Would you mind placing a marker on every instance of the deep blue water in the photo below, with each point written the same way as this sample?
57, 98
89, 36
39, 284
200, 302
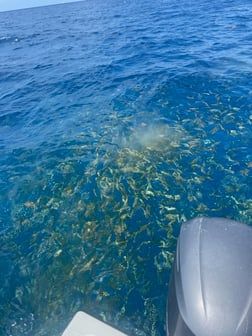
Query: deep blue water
119, 120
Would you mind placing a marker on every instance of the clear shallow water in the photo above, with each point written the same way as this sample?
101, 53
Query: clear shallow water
118, 122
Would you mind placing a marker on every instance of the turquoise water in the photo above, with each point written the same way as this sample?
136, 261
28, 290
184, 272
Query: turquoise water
118, 122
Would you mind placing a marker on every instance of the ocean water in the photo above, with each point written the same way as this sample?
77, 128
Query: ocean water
119, 120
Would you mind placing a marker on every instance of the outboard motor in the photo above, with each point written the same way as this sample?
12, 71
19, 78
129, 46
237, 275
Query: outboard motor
210, 291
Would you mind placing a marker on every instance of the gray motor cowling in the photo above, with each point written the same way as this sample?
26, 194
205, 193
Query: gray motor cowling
210, 290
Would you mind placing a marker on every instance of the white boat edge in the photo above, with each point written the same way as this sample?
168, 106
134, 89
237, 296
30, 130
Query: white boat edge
83, 324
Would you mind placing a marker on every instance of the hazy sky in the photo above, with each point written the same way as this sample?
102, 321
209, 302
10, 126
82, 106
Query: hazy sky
17, 4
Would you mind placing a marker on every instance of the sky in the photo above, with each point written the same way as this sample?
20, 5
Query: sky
6, 5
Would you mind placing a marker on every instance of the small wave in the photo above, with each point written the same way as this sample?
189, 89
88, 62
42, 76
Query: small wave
9, 39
